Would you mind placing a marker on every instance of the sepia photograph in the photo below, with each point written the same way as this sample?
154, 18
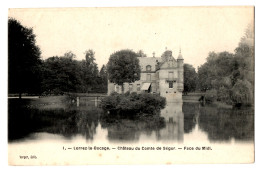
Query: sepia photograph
131, 85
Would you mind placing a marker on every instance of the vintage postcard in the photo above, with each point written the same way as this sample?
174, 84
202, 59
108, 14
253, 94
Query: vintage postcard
131, 85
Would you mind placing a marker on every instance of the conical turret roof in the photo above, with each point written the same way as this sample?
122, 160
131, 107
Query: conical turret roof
180, 56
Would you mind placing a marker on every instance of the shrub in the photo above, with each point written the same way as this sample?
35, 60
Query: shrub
110, 102
242, 92
211, 95
133, 103
223, 95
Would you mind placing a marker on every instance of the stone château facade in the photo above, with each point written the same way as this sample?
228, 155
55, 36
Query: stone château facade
162, 75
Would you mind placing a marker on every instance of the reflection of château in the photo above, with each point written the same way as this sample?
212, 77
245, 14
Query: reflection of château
174, 119
162, 75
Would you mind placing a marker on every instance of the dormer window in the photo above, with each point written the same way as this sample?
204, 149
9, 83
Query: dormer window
148, 68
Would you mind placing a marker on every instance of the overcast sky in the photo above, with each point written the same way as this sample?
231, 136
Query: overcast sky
196, 30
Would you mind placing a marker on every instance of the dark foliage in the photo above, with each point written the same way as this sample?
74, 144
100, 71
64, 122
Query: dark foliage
133, 103
23, 59
229, 77
65, 74
190, 78
123, 66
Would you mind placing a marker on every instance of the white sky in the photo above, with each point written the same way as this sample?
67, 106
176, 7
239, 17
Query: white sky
197, 30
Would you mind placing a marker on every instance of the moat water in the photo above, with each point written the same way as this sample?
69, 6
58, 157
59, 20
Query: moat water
184, 132
181, 122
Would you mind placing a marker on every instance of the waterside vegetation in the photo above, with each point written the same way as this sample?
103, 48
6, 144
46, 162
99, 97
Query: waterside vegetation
133, 103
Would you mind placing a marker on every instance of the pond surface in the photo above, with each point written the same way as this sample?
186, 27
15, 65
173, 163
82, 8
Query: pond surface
184, 122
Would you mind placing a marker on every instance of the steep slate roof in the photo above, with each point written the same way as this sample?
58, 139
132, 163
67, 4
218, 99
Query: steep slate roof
170, 64
157, 62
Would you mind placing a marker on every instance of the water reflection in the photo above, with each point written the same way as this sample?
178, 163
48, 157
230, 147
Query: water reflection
131, 127
224, 124
190, 111
220, 124
69, 122
170, 125
174, 119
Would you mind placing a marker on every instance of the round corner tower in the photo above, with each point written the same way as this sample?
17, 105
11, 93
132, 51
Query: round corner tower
180, 72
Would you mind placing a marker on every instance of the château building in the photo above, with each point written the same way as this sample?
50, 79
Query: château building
162, 75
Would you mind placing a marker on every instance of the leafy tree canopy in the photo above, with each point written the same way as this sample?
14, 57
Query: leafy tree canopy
231, 75
123, 66
23, 59
190, 78
65, 74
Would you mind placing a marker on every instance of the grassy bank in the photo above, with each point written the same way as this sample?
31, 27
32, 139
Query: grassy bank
53, 102
222, 105
194, 97
42, 102
191, 98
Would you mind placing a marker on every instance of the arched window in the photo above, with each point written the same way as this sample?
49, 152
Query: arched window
148, 68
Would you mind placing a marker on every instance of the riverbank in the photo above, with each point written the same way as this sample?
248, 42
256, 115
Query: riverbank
191, 97
222, 105
194, 98
41, 102
53, 102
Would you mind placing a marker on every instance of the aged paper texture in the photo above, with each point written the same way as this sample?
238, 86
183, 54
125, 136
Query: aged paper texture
45, 129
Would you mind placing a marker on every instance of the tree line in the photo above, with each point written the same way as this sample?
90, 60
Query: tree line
226, 77
28, 73
56, 75
65, 74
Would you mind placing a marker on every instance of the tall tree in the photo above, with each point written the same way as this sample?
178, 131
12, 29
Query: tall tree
103, 75
123, 66
90, 69
216, 70
190, 78
231, 75
102, 81
61, 74
245, 71
245, 53
65, 74
23, 59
